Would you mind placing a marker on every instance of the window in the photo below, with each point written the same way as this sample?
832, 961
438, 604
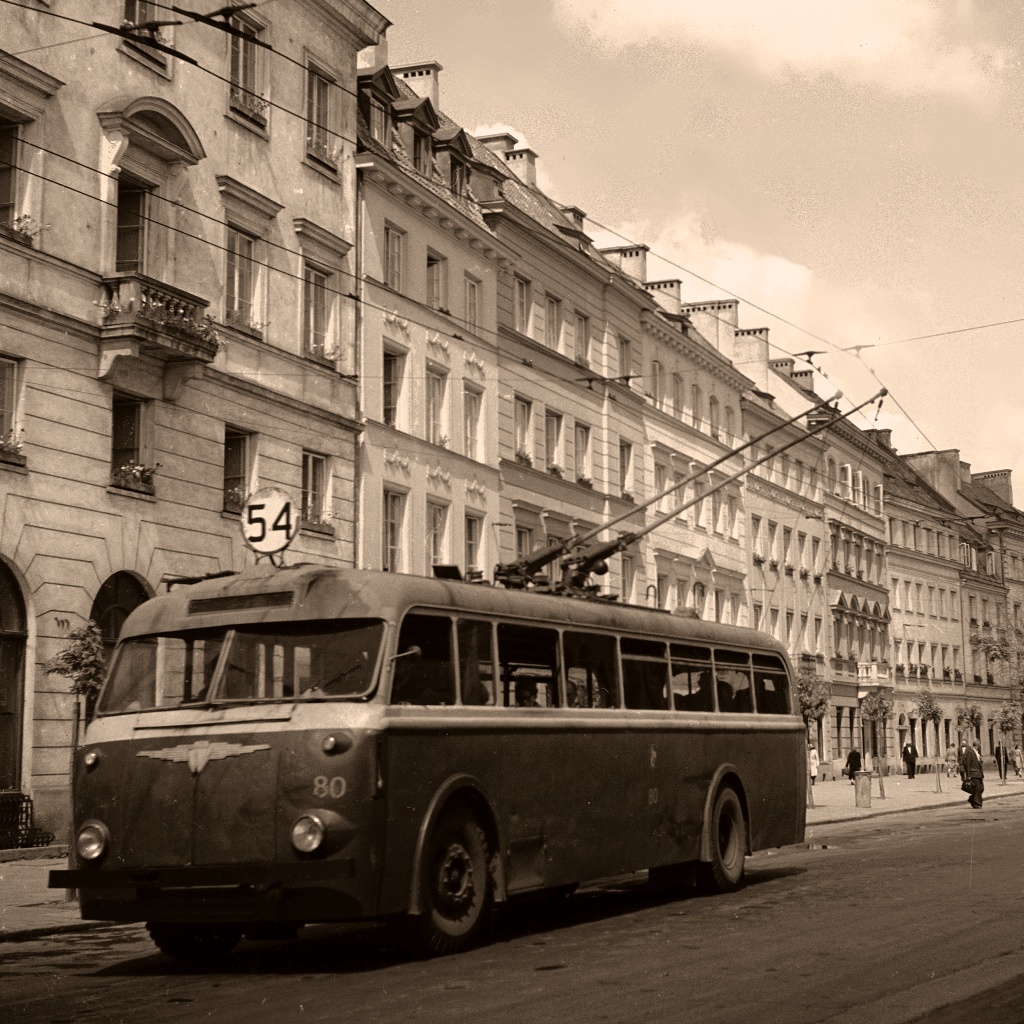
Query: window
582, 437
787, 541
771, 685
245, 72
138, 12
730, 429
628, 578
756, 539
14, 630
8, 161
318, 117
472, 311
132, 205
877, 501
236, 469
437, 389
859, 488
315, 320
437, 281
732, 681
240, 278
625, 466
528, 666
524, 445
645, 679
699, 488
428, 679
692, 688
660, 483
476, 664
474, 532
552, 323
699, 599
392, 555
815, 549
394, 243
677, 396
713, 416
582, 339
8, 399
845, 482
524, 541
590, 660
831, 476
696, 410
657, 385
423, 153
758, 613
625, 359
552, 439
437, 533
126, 469
471, 399
315, 510
458, 176
380, 122
817, 634
394, 364
523, 305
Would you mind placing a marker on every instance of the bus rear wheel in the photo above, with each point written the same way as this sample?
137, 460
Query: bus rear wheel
195, 944
456, 885
727, 831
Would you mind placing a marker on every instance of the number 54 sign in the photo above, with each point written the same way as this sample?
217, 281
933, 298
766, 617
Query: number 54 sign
269, 521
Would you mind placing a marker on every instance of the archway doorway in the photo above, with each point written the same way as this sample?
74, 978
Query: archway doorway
13, 636
119, 596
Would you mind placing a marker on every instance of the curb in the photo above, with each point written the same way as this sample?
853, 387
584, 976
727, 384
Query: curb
58, 851
27, 934
903, 810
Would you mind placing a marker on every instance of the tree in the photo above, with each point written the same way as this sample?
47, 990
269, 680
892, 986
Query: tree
1007, 718
968, 719
814, 695
84, 662
928, 710
877, 708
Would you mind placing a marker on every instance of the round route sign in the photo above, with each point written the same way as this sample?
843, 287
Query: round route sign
270, 521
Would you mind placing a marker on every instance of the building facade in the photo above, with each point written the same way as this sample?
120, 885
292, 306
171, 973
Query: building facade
176, 248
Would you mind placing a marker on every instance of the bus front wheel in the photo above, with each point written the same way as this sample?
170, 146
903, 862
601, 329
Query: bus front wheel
199, 945
456, 884
727, 833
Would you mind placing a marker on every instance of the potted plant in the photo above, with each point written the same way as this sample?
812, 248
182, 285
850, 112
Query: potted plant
12, 450
133, 476
585, 481
555, 470
523, 457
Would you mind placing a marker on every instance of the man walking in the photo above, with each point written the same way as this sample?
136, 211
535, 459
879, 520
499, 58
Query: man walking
853, 765
909, 755
974, 775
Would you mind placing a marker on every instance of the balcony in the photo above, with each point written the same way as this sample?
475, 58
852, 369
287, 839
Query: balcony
872, 672
142, 316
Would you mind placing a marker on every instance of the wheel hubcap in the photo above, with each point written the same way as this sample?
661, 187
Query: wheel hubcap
455, 879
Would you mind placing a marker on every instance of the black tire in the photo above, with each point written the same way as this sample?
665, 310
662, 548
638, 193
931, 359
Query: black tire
457, 890
728, 835
198, 945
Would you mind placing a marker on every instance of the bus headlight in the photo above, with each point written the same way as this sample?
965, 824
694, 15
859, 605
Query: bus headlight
308, 833
92, 841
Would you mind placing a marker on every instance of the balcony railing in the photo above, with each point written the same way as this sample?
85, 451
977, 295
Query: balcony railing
165, 321
249, 105
872, 672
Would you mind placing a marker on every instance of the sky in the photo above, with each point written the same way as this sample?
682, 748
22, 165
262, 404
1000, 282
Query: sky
854, 168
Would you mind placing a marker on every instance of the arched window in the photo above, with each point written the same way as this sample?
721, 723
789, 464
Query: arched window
713, 417
13, 633
117, 599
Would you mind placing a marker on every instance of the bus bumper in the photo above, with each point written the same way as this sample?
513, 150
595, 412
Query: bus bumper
295, 893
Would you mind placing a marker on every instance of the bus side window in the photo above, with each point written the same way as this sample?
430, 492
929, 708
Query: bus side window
476, 667
428, 678
732, 681
590, 670
691, 678
528, 663
771, 685
644, 674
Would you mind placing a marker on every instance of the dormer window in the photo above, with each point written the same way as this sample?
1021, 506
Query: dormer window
459, 177
422, 153
380, 122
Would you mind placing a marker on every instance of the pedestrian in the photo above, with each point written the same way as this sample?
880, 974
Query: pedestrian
812, 761
951, 760
974, 776
1000, 763
853, 764
961, 757
1018, 759
909, 755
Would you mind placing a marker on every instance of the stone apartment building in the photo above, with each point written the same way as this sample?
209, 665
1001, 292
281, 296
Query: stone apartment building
176, 248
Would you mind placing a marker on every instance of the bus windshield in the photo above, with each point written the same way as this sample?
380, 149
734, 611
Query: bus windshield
264, 662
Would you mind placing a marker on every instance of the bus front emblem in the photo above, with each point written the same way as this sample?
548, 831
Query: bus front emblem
202, 752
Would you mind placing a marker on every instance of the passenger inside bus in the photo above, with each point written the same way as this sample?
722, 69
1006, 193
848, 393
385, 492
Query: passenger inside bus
424, 671
526, 694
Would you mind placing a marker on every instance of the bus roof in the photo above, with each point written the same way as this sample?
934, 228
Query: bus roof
305, 592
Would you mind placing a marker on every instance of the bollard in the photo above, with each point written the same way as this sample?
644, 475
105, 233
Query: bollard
862, 790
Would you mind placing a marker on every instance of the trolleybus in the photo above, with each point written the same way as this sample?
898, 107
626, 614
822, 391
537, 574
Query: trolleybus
310, 744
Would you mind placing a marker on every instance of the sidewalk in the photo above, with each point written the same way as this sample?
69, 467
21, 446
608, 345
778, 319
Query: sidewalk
28, 909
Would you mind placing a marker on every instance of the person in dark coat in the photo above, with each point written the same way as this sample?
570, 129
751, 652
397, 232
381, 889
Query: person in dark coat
909, 755
853, 764
961, 757
974, 775
1000, 755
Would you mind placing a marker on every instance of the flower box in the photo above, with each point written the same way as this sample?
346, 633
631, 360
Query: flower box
585, 481
524, 458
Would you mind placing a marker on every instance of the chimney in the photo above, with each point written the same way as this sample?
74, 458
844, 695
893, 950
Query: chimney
668, 294
803, 379
523, 164
784, 367
883, 438
423, 79
498, 144
373, 56
997, 480
576, 215
631, 259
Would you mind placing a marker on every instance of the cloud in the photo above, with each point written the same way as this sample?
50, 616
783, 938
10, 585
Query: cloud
908, 46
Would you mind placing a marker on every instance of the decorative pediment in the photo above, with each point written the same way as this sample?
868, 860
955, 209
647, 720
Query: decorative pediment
419, 110
454, 138
156, 126
380, 81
